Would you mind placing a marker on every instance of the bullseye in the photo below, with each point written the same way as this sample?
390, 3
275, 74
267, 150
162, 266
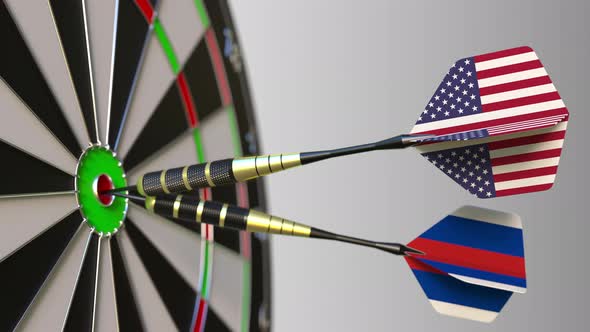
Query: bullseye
101, 184
98, 171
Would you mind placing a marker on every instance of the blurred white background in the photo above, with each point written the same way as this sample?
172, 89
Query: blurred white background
326, 74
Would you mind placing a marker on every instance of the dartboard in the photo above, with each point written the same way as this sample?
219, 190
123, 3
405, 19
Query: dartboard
93, 94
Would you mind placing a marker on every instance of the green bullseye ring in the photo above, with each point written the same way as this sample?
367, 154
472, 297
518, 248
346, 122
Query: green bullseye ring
94, 162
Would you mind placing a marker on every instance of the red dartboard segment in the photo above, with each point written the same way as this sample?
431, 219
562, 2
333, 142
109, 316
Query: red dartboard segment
146, 9
201, 315
215, 54
187, 99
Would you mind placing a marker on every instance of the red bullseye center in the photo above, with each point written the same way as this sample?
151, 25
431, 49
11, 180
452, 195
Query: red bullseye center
101, 184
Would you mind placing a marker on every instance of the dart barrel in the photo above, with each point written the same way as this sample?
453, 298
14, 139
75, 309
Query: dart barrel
213, 174
191, 209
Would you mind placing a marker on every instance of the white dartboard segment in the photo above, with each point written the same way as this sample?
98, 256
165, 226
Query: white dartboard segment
36, 24
50, 307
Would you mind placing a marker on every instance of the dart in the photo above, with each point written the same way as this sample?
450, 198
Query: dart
233, 170
191, 209
468, 264
495, 125
473, 263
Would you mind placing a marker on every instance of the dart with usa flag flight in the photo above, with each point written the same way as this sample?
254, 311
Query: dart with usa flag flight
499, 124
468, 264
495, 125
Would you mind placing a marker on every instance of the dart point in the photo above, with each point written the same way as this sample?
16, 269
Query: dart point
100, 186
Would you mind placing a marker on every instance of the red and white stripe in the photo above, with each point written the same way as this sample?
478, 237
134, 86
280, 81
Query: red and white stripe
521, 162
527, 163
516, 95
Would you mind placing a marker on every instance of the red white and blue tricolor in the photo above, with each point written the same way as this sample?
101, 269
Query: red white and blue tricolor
499, 124
473, 262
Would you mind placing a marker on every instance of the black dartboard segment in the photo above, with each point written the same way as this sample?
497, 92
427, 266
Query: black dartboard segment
178, 296
166, 123
81, 313
20, 71
214, 323
29, 175
22, 274
71, 25
127, 311
131, 39
200, 77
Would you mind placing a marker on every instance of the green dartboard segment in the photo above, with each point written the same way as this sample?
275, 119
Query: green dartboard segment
95, 162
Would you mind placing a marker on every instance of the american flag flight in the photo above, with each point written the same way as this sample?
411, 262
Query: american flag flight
499, 124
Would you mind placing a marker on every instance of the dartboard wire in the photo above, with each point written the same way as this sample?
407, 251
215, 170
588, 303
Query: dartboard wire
73, 85
90, 233
91, 75
97, 268
150, 14
55, 193
111, 76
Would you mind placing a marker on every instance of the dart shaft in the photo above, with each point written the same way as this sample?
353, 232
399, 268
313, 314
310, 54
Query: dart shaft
230, 171
191, 209
213, 174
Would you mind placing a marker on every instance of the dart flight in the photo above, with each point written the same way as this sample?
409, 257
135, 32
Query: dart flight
473, 262
495, 125
499, 124
468, 264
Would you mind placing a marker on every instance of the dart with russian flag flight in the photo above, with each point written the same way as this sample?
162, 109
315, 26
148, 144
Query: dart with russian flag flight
495, 125
468, 264
473, 263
